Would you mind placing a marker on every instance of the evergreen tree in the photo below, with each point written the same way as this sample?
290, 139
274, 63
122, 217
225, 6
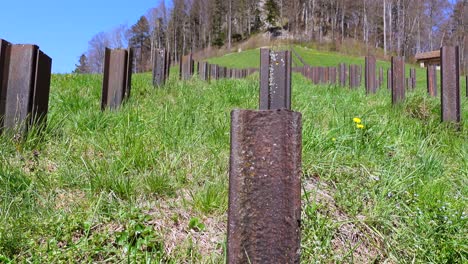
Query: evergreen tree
140, 41
82, 66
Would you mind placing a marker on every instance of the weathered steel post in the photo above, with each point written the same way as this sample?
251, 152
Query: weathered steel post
275, 79
370, 75
264, 187
25, 73
117, 78
160, 67
450, 80
186, 67
431, 79
398, 79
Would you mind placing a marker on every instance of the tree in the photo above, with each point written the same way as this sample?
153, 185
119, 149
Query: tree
82, 66
272, 12
140, 41
96, 52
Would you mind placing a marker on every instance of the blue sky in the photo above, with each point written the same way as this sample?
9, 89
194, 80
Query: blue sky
62, 28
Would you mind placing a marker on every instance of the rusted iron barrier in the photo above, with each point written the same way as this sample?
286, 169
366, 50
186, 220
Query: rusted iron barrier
214, 72
381, 78
398, 79
342, 73
25, 73
413, 78
450, 84
332, 75
389, 79
370, 81
186, 67
431, 78
203, 71
275, 79
222, 72
160, 67
354, 76
264, 187
117, 79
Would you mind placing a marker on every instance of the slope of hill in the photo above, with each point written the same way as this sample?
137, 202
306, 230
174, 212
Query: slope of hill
148, 182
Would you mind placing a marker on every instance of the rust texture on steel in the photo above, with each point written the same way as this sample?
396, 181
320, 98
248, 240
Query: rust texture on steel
353, 76
186, 67
117, 77
389, 79
214, 72
332, 74
264, 187
203, 71
342, 74
369, 78
25, 73
381, 78
275, 79
431, 78
4, 63
413, 78
450, 84
398, 79
160, 67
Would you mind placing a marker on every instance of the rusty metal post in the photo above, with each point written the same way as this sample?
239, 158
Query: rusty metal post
413, 78
264, 187
389, 79
398, 79
431, 79
380, 77
275, 79
25, 73
214, 72
203, 71
332, 73
450, 84
117, 77
4, 64
326, 75
186, 67
342, 73
159, 67
370, 75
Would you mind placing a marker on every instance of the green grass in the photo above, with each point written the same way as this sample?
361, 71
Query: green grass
148, 182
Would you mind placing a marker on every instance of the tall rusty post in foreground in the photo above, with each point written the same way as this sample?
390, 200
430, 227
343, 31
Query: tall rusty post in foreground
160, 67
275, 79
398, 79
450, 84
370, 81
264, 187
117, 79
431, 79
25, 73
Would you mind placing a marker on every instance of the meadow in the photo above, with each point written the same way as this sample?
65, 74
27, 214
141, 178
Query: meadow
148, 183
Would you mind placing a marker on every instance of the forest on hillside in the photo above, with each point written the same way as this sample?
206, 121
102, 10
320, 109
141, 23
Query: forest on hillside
398, 27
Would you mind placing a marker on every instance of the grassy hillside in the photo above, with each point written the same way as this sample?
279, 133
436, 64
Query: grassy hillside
148, 183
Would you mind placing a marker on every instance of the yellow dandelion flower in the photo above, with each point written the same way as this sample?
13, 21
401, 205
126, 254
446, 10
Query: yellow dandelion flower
333, 139
360, 126
357, 120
